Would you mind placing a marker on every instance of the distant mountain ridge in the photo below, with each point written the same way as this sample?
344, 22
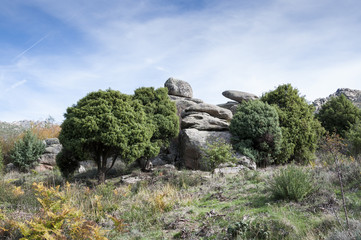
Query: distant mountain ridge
352, 94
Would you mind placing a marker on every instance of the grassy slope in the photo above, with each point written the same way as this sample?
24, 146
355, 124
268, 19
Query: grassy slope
192, 205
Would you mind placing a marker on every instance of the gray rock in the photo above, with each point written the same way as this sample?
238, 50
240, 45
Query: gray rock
212, 110
351, 94
230, 106
204, 122
55, 148
51, 141
43, 168
81, 169
239, 96
191, 143
246, 161
178, 88
177, 98
48, 159
158, 161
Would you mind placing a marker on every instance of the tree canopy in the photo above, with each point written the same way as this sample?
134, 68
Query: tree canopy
300, 130
256, 131
338, 115
109, 125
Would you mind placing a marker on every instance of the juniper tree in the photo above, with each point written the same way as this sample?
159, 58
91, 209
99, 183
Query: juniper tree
300, 129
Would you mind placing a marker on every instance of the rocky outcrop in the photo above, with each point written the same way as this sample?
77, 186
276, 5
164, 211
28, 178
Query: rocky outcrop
48, 160
179, 88
239, 96
212, 110
203, 121
353, 95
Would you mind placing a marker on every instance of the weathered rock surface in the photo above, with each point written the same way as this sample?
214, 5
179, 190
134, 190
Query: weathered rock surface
48, 160
353, 95
230, 106
203, 121
179, 88
212, 110
191, 143
239, 96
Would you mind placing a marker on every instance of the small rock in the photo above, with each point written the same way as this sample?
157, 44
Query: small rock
43, 168
51, 141
81, 169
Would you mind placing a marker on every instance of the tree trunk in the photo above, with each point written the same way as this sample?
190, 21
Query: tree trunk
102, 168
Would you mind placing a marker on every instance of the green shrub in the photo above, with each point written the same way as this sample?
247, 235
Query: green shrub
217, 152
292, 183
256, 131
300, 130
67, 162
26, 151
338, 115
353, 138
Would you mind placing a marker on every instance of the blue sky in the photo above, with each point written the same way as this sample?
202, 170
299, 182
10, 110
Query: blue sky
52, 53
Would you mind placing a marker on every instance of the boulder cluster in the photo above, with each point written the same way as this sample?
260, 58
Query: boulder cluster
201, 123
351, 94
48, 160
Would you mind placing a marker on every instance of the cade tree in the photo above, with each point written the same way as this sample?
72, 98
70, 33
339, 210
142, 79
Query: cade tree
162, 113
256, 132
338, 115
105, 126
300, 129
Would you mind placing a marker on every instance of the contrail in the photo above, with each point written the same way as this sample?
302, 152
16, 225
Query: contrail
32, 46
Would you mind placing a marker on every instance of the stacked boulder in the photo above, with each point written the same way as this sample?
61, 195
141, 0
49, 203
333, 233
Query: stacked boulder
200, 122
47, 161
238, 97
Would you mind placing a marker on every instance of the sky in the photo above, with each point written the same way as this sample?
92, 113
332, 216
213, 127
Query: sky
52, 53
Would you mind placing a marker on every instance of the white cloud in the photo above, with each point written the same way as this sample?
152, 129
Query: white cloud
313, 46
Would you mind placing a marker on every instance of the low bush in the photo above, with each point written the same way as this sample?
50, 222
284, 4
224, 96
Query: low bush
26, 151
217, 152
292, 183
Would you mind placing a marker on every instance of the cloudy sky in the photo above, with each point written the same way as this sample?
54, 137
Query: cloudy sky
52, 53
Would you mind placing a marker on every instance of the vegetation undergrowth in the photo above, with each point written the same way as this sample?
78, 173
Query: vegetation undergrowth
171, 204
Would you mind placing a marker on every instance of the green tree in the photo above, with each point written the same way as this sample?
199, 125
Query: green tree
300, 130
338, 115
256, 131
107, 125
26, 151
162, 114
353, 137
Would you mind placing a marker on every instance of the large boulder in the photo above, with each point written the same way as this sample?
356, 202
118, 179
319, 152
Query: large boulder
239, 96
203, 121
179, 88
213, 110
191, 143
48, 159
